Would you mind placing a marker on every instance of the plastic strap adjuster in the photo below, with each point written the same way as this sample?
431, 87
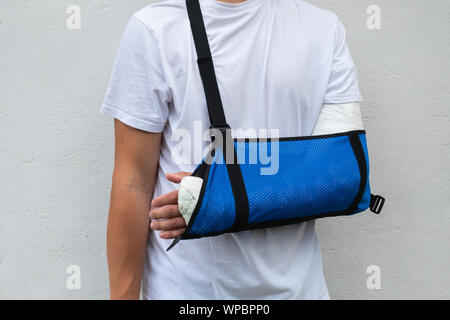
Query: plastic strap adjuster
223, 129
376, 203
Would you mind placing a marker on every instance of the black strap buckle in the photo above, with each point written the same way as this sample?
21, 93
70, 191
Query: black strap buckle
376, 203
223, 129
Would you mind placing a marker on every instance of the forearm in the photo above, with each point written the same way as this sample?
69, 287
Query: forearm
127, 237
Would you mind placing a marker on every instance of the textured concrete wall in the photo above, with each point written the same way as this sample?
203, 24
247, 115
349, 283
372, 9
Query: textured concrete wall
56, 150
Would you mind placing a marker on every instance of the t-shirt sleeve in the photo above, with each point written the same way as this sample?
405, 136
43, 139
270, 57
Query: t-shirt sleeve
137, 92
343, 83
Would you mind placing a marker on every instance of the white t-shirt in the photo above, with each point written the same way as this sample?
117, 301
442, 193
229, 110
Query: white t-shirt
277, 62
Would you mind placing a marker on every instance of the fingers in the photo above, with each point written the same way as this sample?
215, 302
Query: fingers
173, 224
176, 177
166, 199
168, 224
171, 234
165, 212
167, 218
171, 197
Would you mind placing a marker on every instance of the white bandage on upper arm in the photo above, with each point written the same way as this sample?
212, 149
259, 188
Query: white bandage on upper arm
341, 117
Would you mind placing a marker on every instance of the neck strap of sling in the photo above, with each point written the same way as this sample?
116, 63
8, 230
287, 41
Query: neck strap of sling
215, 110
206, 66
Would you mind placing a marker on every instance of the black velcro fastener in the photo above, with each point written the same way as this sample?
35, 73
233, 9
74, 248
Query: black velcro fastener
213, 100
362, 165
205, 64
236, 181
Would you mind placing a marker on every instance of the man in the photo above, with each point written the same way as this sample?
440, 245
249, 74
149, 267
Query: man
277, 62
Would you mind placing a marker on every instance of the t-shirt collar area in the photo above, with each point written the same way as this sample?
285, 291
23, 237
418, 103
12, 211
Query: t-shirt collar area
232, 6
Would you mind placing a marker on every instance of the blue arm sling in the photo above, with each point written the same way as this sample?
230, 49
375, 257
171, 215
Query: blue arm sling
317, 176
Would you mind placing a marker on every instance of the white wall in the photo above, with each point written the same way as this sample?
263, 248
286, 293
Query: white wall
56, 150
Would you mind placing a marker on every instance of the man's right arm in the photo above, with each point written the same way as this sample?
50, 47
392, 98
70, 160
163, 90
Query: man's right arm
135, 168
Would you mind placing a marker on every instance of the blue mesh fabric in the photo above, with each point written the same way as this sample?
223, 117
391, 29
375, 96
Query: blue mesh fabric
314, 177
217, 211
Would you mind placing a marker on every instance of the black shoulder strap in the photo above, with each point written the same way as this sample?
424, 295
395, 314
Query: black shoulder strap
215, 109
206, 66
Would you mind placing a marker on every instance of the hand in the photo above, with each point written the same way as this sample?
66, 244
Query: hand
167, 218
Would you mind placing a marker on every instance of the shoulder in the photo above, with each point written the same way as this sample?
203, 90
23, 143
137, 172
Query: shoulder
162, 15
316, 14
322, 26
313, 19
